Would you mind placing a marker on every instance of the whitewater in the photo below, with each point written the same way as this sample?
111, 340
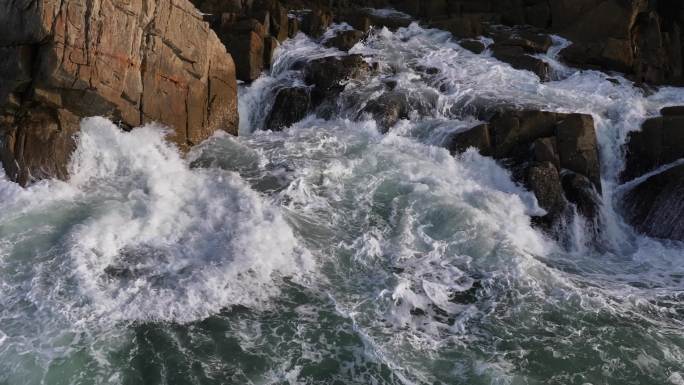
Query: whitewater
330, 253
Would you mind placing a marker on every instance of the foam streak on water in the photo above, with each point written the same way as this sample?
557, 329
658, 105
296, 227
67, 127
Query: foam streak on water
329, 253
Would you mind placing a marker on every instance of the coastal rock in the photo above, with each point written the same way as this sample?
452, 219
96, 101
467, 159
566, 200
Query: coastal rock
555, 155
578, 147
660, 141
130, 61
244, 40
290, 106
328, 74
478, 137
544, 181
387, 110
655, 207
345, 40
518, 59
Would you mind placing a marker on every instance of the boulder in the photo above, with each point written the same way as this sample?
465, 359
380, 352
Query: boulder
388, 109
316, 21
474, 46
518, 59
543, 179
554, 155
478, 137
244, 40
660, 141
290, 106
345, 40
655, 207
578, 147
133, 62
582, 192
328, 74
546, 150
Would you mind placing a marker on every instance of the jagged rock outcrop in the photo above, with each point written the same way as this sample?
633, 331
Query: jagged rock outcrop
133, 61
554, 154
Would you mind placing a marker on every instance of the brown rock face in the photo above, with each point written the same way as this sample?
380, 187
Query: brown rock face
133, 61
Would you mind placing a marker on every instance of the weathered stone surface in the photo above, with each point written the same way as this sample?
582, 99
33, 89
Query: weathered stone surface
539, 146
474, 46
642, 38
655, 207
582, 192
290, 106
518, 59
546, 150
660, 141
316, 21
544, 181
345, 40
388, 109
270, 44
39, 144
130, 60
245, 42
327, 74
578, 147
478, 137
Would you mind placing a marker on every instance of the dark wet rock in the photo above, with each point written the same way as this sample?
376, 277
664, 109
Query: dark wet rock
518, 59
655, 207
578, 146
293, 26
388, 109
474, 46
345, 40
328, 74
245, 42
546, 150
515, 131
530, 40
478, 137
291, 105
316, 21
582, 192
538, 147
660, 142
543, 179
672, 111
465, 26
270, 44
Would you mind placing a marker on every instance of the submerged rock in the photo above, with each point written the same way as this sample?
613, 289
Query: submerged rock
655, 206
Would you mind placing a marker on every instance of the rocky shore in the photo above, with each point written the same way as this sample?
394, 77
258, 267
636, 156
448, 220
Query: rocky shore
178, 62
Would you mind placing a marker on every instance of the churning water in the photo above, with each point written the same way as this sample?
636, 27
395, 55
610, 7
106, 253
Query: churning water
332, 254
